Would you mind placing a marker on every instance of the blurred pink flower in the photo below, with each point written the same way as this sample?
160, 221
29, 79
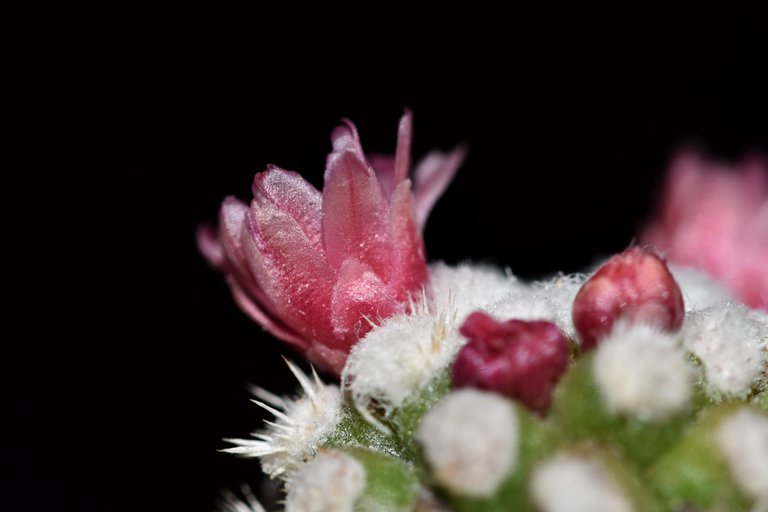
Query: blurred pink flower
715, 218
315, 269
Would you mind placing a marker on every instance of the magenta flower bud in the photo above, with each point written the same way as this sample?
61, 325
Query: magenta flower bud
517, 358
635, 285
317, 268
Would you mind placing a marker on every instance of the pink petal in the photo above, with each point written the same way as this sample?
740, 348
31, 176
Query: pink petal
325, 358
209, 245
355, 213
684, 182
231, 224
391, 170
750, 270
409, 263
293, 275
751, 284
292, 194
345, 138
358, 294
269, 322
225, 251
232, 228
403, 151
384, 167
432, 176
753, 179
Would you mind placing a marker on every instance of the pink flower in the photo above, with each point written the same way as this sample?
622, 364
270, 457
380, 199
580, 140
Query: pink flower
519, 359
715, 218
635, 285
315, 269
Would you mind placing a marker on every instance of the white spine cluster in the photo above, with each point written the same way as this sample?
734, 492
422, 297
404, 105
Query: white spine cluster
470, 439
468, 287
641, 372
300, 426
249, 503
743, 439
398, 358
332, 481
568, 483
731, 341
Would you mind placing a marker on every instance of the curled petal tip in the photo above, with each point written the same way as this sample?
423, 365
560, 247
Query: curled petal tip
345, 138
209, 246
291, 193
403, 151
432, 176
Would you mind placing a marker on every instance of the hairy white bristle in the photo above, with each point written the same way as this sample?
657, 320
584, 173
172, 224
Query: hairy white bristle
743, 439
731, 341
399, 358
232, 503
550, 300
467, 287
569, 483
300, 426
699, 290
332, 481
641, 372
470, 439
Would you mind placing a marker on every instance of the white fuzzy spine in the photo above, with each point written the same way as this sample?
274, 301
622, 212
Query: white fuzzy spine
300, 427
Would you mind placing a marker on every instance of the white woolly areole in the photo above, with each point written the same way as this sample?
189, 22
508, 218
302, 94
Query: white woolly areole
331, 482
550, 300
731, 341
743, 439
470, 439
641, 372
468, 287
699, 290
567, 483
300, 426
398, 358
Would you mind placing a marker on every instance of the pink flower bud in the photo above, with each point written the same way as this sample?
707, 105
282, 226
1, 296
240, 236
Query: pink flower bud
316, 268
517, 358
635, 285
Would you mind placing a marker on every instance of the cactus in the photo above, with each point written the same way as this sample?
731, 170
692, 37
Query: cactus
432, 447
641, 386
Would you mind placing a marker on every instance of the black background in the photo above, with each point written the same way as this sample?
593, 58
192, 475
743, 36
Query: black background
149, 360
